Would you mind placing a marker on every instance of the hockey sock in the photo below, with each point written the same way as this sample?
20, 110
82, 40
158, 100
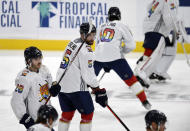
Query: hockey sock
85, 126
138, 90
131, 81
86, 122
67, 116
63, 126
148, 52
64, 121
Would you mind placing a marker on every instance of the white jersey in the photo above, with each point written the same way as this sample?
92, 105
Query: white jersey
81, 71
161, 16
109, 41
32, 91
39, 127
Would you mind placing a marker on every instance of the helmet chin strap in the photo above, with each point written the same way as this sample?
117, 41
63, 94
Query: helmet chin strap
155, 130
52, 125
158, 127
28, 63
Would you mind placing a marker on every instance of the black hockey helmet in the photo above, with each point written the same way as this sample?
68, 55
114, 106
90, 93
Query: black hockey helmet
155, 116
84, 28
114, 14
32, 52
46, 112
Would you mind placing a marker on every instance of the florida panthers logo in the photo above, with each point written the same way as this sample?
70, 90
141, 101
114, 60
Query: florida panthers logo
44, 92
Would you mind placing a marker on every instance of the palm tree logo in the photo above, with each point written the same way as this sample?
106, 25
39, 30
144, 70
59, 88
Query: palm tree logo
45, 11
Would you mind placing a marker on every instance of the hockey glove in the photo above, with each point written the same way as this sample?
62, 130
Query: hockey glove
55, 89
27, 121
101, 96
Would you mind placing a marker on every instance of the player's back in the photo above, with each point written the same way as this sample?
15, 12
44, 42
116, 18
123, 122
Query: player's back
109, 40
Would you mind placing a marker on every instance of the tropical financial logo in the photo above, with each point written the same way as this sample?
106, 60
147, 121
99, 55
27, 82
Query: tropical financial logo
69, 14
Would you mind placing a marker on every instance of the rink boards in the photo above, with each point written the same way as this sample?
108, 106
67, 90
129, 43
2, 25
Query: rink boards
19, 44
50, 25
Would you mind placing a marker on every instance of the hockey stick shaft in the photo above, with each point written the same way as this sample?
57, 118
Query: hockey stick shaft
102, 76
118, 118
175, 29
187, 58
48, 100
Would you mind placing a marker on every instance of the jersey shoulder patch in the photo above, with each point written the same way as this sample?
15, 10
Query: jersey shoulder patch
20, 82
90, 65
19, 88
78, 40
24, 72
89, 48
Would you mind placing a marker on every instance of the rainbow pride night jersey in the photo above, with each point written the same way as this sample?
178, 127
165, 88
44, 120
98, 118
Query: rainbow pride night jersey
109, 40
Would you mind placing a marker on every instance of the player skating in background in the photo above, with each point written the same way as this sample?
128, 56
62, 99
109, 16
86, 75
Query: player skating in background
32, 88
109, 52
155, 121
160, 21
46, 119
160, 73
74, 93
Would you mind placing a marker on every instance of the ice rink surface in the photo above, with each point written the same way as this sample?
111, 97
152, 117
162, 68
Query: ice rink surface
172, 97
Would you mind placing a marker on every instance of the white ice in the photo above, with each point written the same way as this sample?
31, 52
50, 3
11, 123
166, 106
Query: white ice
172, 97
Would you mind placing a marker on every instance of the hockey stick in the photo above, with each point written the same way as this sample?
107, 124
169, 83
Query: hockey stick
175, 29
90, 29
117, 118
102, 76
184, 38
112, 110
187, 58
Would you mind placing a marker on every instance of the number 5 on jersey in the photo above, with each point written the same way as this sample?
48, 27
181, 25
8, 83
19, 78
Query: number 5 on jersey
66, 59
107, 35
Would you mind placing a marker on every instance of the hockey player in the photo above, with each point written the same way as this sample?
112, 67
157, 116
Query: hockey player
169, 53
155, 121
74, 93
46, 119
160, 73
109, 52
161, 19
32, 88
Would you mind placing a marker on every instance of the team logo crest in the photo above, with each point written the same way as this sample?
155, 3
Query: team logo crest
44, 92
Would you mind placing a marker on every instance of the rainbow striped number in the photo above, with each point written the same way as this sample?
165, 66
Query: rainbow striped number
66, 59
107, 35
